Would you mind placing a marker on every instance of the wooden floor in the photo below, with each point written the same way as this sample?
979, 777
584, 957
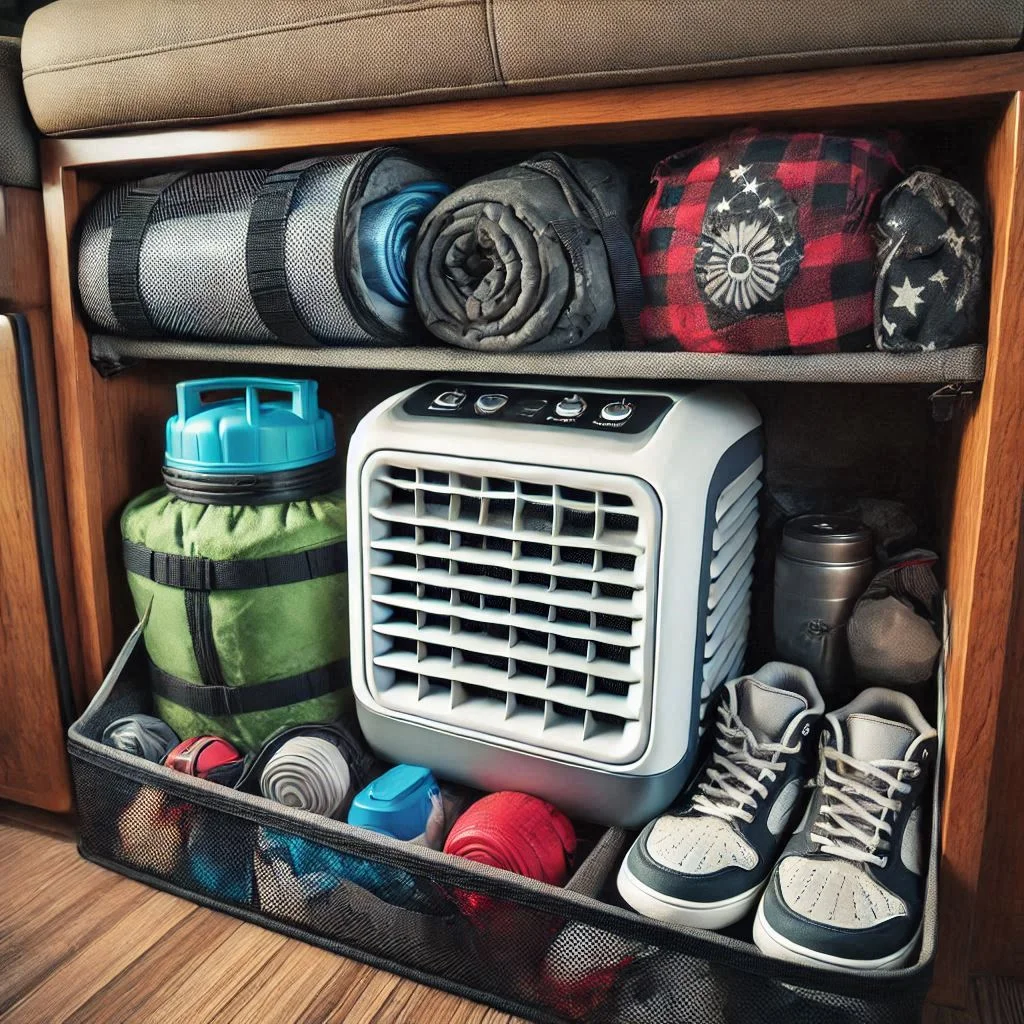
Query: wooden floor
82, 945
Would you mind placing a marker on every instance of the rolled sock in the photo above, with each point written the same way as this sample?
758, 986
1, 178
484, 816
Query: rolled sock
141, 735
309, 773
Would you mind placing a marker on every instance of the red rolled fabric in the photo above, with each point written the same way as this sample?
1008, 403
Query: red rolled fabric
206, 757
517, 832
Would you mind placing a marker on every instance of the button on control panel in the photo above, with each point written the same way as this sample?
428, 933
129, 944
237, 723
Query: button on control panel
449, 400
617, 412
555, 407
571, 406
487, 405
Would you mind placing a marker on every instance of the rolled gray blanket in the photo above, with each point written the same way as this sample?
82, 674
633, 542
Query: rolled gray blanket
307, 772
141, 735
536, 255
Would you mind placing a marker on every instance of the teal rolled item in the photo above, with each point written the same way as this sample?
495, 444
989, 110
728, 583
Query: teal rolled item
386, 233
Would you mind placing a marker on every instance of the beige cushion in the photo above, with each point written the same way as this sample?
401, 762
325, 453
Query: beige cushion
104, 65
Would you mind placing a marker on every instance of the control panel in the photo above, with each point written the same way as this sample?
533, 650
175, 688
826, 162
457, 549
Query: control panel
612, 412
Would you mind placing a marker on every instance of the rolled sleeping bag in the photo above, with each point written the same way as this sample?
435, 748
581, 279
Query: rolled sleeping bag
142, 735
313, 253
242, 562
537, 256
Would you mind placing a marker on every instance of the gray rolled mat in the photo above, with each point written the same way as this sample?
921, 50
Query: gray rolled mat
536, 255
310, 773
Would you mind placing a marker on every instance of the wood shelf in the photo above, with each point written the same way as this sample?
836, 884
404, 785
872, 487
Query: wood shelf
961, 365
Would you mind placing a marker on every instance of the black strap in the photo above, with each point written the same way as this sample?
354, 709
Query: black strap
265, 257
187, 572
241, 700
618, 242
200, 629
126, 234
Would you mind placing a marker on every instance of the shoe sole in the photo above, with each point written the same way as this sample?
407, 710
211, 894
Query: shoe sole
770, 942
712, 916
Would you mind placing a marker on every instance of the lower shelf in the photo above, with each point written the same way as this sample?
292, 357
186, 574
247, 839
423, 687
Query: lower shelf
959, 365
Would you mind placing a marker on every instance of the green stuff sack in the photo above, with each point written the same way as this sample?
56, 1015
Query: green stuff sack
246, 572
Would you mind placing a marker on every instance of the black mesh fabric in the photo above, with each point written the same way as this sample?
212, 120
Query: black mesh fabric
543, 953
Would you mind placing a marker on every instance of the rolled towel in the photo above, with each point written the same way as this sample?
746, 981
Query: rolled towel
207, 757
310, 773
141, 735
517, 832
537, 255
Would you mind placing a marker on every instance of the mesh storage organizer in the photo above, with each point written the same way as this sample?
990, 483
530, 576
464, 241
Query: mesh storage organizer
544, 953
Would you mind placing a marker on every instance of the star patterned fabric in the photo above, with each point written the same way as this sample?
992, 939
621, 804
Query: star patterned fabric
761, 243
930, 265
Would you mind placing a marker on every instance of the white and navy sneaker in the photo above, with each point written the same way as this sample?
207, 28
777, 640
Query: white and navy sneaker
849, 888
704, 863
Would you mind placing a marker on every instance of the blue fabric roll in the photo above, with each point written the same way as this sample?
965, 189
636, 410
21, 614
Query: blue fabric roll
387, 229
319, 870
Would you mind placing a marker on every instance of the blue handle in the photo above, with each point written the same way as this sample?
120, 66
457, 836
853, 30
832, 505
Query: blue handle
303, 392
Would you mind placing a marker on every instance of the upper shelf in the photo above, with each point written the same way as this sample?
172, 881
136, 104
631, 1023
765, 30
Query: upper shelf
960, 365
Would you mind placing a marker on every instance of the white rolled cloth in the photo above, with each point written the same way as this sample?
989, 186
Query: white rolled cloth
309, 773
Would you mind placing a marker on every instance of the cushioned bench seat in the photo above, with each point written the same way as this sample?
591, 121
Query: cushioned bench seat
108, 65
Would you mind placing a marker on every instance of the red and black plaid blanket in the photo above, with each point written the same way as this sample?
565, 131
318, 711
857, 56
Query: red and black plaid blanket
763, 243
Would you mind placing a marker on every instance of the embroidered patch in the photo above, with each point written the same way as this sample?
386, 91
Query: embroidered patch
749, 248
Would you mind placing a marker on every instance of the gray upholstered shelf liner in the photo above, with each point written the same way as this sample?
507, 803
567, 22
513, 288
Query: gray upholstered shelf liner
958, 365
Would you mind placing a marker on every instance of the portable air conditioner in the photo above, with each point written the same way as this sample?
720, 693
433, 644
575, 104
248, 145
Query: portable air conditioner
548, 583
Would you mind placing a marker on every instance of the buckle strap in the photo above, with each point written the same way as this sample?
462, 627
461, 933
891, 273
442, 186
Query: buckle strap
217, 701
189, 572
265, 256
126, 235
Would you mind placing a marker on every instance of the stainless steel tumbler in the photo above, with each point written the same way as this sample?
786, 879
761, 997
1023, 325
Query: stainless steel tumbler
823, 565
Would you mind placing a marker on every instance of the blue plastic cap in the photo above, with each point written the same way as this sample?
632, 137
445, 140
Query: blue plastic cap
245, 435
397, 804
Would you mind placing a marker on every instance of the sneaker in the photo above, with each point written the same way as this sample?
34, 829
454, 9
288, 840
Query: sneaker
849, 888
704, 864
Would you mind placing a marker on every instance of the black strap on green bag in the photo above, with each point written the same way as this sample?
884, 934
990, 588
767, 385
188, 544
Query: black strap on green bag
198, 577
240, 700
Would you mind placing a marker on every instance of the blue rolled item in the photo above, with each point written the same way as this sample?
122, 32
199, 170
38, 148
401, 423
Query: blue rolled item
142, 735
318, 870
387, 230
398, 803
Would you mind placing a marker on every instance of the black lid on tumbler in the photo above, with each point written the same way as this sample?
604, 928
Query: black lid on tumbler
827, 540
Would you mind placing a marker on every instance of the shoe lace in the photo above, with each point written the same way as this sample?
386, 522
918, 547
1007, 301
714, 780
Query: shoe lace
858, 797
732, 780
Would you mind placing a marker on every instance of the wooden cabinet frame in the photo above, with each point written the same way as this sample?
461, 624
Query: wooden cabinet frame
103, 451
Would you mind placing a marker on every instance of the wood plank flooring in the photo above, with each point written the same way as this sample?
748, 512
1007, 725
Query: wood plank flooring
82, 945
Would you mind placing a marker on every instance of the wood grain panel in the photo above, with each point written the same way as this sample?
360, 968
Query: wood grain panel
24, 282
999, 939
983, 538
33, 765
921, 88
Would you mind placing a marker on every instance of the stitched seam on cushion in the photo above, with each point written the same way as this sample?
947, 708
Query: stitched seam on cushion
315, 106
792, 55
298, 26
882, 48
442, 91
492, 39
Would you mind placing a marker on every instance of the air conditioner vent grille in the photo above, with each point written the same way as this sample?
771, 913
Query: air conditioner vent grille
731, 574
518, 603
